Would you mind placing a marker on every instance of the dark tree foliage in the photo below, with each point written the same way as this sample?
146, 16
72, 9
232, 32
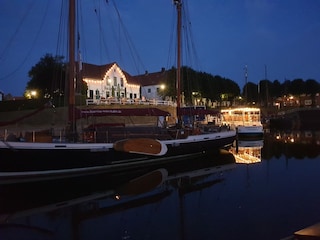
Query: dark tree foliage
312, 86
203, 84
48, 76
297, 87
251, 92
231, 87
275, 91
286, 87
266, 91
170, 89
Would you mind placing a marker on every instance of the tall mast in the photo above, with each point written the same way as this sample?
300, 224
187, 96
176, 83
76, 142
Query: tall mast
267, 90
71, 99
246, 82
178, 80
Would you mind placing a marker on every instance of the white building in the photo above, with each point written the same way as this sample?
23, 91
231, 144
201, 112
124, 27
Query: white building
109, 81
152, 84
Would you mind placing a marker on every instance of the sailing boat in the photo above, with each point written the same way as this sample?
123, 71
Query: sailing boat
32, 161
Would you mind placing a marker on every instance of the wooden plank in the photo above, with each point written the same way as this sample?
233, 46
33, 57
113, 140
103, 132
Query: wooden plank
309, 233
147, 146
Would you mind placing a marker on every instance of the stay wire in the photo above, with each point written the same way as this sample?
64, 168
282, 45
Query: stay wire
32, 45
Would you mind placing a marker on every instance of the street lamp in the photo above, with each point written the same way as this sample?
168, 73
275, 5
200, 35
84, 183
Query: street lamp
33, 94
30, 94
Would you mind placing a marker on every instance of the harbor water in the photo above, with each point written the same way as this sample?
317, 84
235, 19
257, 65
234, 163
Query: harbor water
258, 189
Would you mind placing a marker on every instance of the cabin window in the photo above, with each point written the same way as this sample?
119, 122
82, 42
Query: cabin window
114, 81
149, 90
121, 82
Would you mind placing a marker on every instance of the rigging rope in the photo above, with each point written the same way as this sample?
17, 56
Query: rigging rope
32, 45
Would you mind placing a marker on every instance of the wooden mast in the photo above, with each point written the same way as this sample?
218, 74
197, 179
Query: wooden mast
71, 77
178, 80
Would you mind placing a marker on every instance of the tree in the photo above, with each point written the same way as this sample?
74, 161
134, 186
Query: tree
275, 91
204, 85
312, 86
250, 92
48, 77
298, 86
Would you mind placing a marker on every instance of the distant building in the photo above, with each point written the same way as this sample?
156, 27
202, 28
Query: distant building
305, 100
110, 81
152, 84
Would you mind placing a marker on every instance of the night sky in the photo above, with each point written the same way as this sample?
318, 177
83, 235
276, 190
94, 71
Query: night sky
279, 39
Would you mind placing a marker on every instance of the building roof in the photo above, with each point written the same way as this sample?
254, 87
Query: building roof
95, 71
147, 79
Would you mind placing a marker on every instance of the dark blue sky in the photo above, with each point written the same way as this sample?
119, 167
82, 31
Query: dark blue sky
280, 36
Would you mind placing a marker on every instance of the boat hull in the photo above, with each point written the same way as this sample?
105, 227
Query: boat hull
25, 162
255, 132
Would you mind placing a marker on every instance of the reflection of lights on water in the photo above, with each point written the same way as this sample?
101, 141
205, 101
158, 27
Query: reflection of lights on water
298, 137
126, 235
247, 159
247, 155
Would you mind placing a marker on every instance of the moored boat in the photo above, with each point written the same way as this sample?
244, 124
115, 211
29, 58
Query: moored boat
34, 161
246, 121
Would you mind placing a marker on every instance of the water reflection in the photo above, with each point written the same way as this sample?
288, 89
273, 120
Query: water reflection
247, 151
201, 198
292, 144
73, 209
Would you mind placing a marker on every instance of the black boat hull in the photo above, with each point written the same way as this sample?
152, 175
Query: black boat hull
21, 164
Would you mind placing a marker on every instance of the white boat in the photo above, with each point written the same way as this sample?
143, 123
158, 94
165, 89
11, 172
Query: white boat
34, 161
245, 120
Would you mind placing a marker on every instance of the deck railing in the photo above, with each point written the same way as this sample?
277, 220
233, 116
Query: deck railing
129, 102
